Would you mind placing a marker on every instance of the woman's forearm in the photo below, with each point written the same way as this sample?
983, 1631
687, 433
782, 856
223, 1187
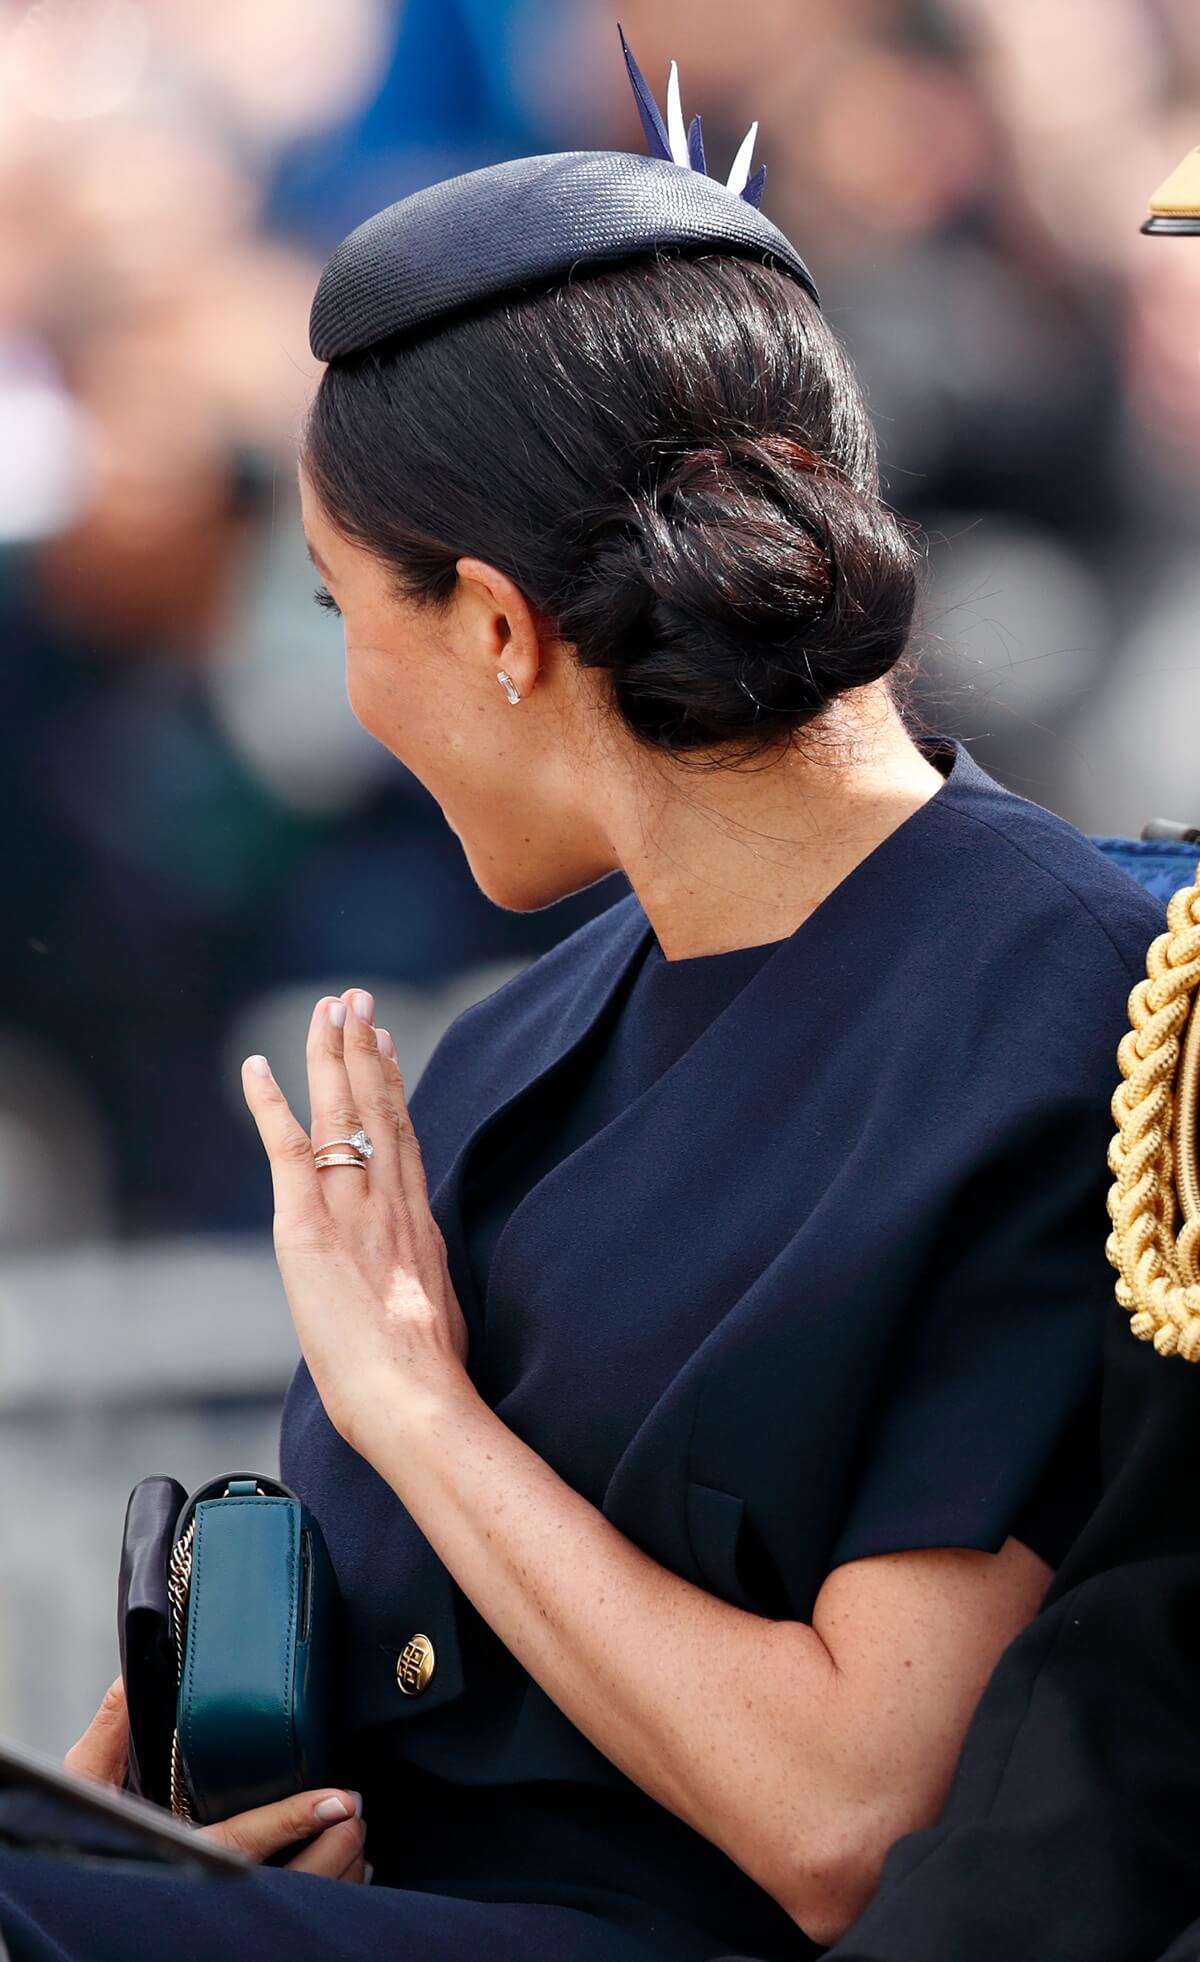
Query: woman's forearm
746, 1728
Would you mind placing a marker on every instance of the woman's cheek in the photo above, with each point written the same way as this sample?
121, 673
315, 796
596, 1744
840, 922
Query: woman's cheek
378, 705
356, 694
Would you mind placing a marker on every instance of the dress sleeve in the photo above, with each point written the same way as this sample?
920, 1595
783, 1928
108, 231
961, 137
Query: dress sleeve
988, 1422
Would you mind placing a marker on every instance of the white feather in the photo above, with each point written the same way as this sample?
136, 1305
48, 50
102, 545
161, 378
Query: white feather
676, 133
739, 176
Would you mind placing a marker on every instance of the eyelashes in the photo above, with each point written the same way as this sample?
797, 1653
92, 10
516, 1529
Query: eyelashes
325, 599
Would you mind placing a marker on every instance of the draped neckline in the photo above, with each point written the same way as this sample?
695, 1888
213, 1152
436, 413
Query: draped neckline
637, 951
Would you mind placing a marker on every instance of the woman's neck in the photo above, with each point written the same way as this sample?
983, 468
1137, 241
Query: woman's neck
736, 857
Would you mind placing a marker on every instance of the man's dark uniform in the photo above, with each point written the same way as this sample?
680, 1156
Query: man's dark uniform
1072, 1832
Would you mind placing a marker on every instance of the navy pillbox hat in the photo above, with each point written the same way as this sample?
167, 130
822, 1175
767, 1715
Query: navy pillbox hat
516, 225
521, 224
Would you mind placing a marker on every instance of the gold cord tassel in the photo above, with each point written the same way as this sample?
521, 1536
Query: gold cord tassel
1153, 1156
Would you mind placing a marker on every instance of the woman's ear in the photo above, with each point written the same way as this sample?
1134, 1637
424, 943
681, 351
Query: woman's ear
496, 623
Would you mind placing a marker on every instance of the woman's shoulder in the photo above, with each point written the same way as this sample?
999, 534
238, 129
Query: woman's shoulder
1021, 866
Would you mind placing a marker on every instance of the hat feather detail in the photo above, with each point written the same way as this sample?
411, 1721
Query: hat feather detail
678, 143
739, 176
652, 123
753, 192
676, 133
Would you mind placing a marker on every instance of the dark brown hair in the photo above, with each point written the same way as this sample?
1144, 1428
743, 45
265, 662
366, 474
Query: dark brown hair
673, 461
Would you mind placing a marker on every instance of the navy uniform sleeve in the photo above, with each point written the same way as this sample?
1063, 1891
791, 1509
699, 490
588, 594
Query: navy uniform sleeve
988, 1424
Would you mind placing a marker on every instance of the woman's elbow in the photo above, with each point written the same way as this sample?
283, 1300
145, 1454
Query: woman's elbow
825, 1887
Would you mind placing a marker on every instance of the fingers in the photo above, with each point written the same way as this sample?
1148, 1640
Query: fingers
269, 1828
370, 1095
353, 1085
294, 1177
102, 1752
334, 1113
338, 1854
412, 1164
345, 1099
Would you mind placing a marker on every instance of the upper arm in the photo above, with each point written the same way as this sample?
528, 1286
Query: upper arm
913, 1638
909, 1641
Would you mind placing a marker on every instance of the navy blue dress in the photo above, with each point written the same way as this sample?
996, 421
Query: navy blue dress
782, 1258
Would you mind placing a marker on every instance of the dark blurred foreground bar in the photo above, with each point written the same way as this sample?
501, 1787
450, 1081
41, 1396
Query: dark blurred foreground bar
43, 1809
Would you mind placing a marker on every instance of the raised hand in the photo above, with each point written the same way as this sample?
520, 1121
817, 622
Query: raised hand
362, 1258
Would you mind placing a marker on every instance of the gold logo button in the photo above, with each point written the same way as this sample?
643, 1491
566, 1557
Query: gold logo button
415, 1665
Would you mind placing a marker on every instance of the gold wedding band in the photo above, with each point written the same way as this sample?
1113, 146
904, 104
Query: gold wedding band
323, 1159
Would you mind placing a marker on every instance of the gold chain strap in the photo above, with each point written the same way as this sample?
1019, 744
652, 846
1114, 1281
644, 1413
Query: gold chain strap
179, 1580
1153, 1156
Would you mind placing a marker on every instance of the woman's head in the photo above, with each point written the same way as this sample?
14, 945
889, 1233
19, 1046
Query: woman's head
649, 494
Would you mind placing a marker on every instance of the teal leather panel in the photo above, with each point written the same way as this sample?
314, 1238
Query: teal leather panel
244, 1660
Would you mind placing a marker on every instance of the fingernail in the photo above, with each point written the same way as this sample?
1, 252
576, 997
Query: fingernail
331, 1809
337, 1014
368, 1873
387, 1046
259, 1065
357, 1797
364, 1005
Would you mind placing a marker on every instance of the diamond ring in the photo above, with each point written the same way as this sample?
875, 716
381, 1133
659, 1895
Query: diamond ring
358, 1142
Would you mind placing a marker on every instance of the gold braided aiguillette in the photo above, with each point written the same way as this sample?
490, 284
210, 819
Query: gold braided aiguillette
1153, 1156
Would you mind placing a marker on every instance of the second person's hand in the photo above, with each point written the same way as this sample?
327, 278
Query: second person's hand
329, 1821
326, 1826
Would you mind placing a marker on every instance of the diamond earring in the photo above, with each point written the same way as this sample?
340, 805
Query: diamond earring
506, 683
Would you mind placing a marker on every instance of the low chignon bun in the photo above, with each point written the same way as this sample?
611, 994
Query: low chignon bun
741, 592
671, 458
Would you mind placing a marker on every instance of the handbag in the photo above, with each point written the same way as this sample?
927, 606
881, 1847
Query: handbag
228, 1619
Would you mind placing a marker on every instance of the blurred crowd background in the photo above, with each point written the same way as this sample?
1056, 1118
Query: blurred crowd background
197, 838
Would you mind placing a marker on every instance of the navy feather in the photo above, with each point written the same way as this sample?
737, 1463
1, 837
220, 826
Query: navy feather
652, 122
754, 189
657, 139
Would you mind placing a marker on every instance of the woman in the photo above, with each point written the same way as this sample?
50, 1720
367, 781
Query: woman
698, 1380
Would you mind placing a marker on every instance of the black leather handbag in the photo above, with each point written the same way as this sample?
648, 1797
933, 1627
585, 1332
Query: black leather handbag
228, 1619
